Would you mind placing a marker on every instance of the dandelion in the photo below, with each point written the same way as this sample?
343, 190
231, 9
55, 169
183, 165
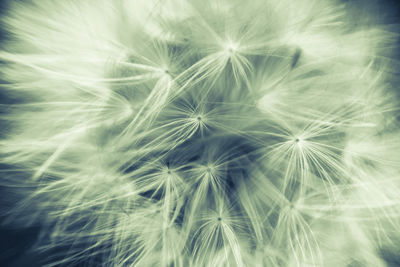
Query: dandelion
200, 133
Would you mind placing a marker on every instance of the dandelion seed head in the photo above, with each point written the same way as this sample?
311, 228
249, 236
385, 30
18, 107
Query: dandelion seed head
198, 119
299, 141
209, 169
231, 48
200, 133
